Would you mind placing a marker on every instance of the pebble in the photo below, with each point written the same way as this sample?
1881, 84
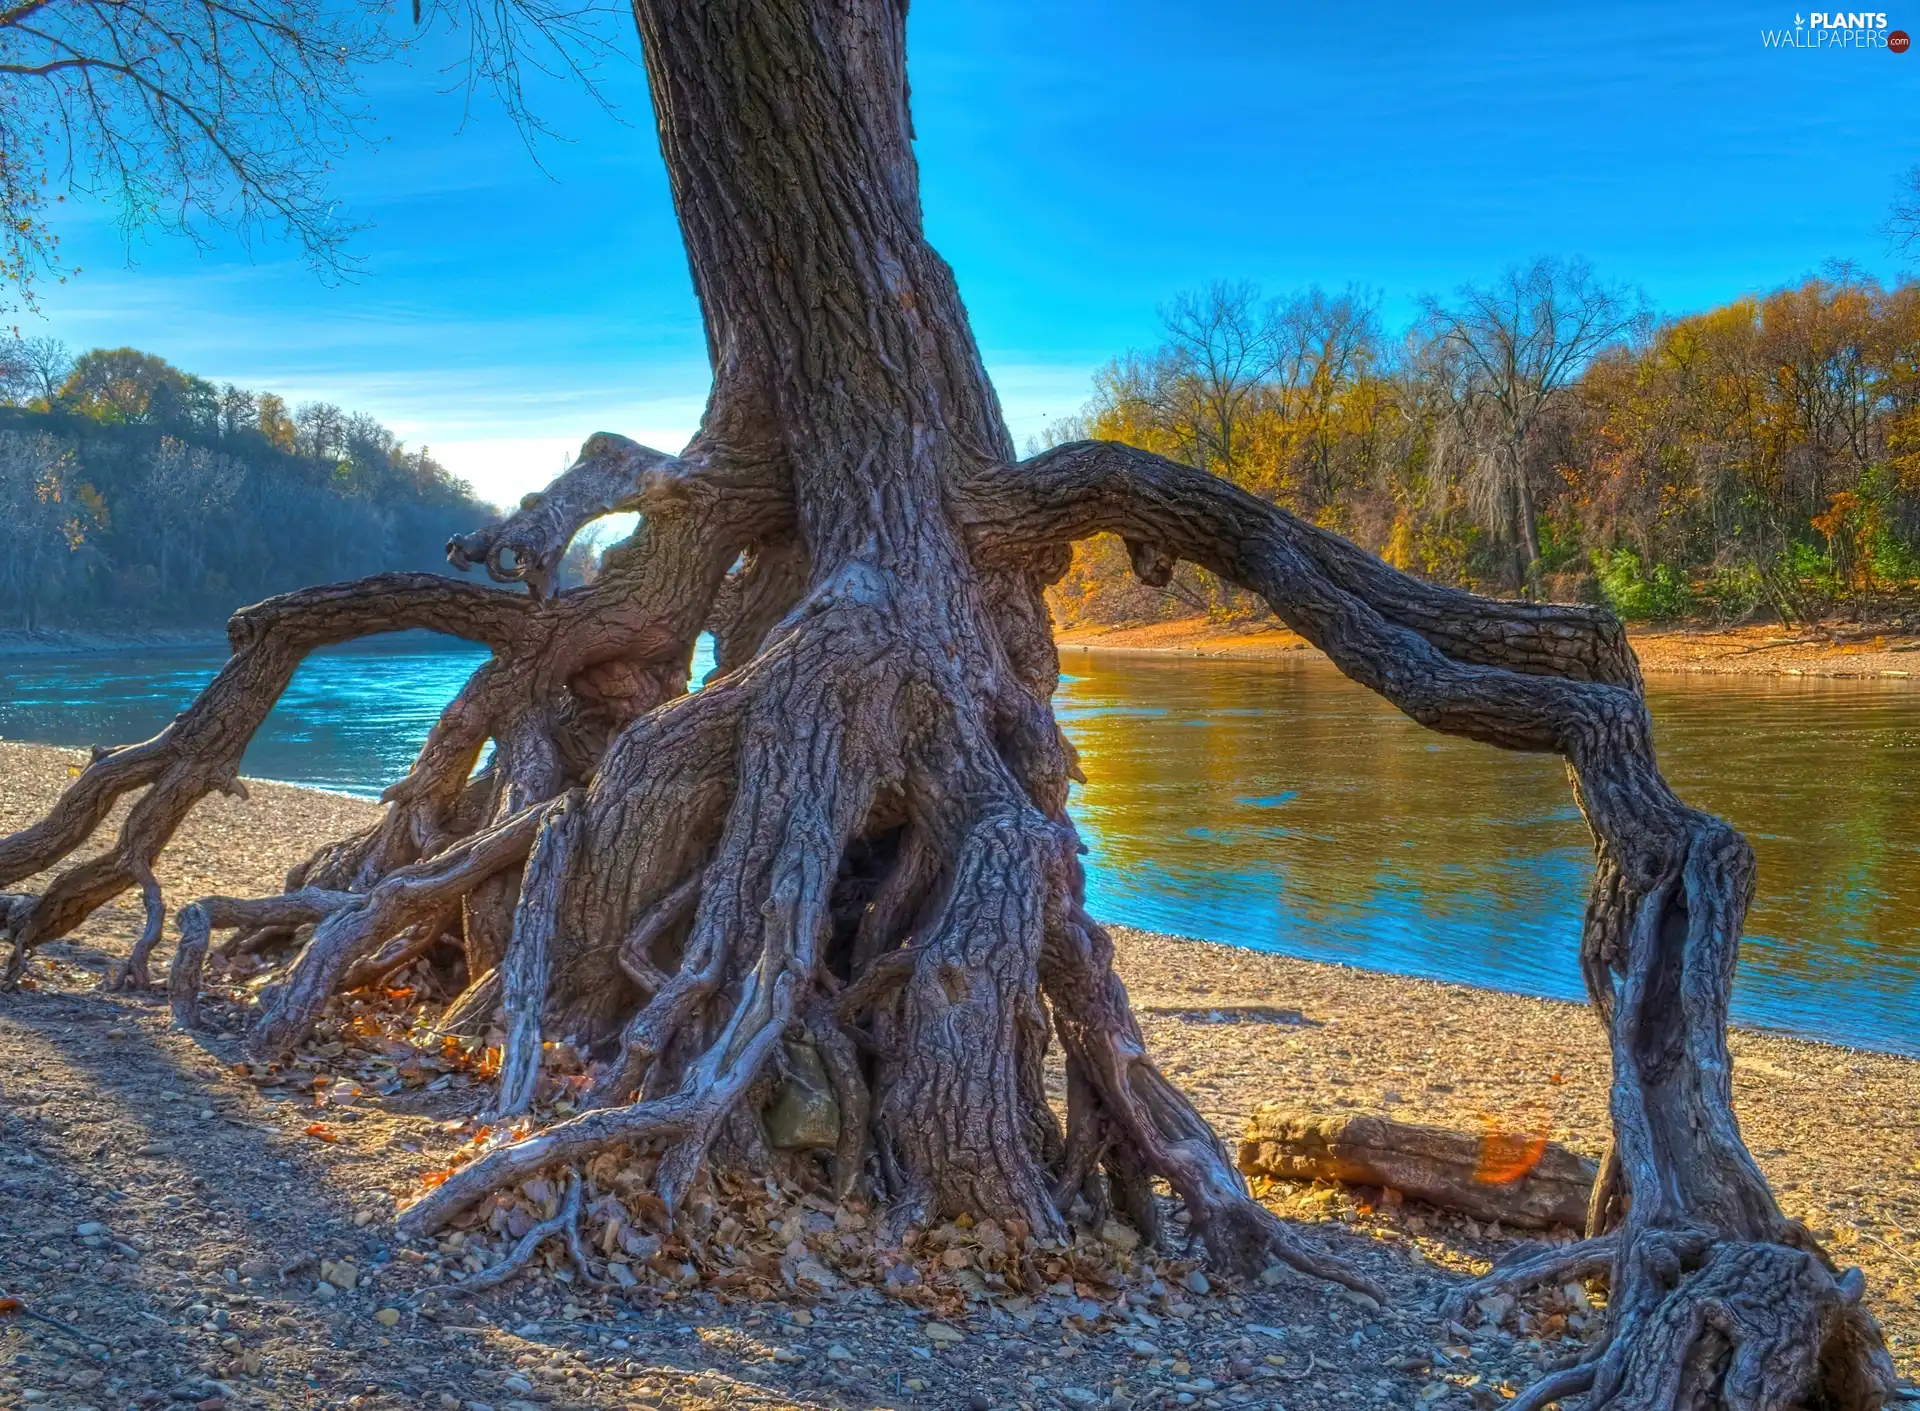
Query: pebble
527, 1330
387, 1317
1196, 1282
91, 1229
517, 1384
940, 1332
977, 1401
449, 1402
837, 1353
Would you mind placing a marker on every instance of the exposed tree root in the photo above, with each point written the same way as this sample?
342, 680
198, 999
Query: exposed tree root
849, 855
1532, 1265
565, 1222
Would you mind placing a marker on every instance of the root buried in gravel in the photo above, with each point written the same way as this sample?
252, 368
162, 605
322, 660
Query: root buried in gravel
820, 924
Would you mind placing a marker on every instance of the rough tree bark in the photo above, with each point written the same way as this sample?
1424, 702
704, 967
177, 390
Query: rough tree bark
856, 835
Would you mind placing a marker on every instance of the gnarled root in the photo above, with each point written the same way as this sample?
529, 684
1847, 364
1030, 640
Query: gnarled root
1154, 1118
1531, 1265
565, 1222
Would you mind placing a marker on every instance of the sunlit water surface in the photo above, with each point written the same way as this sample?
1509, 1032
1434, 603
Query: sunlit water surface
1278, 806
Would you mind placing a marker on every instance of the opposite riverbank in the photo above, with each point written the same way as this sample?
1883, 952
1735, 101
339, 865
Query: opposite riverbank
197, 1172
1731, 651
1839, 650
79, 641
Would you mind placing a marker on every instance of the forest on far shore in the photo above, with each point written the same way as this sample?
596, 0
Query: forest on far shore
1546, 434
135, 494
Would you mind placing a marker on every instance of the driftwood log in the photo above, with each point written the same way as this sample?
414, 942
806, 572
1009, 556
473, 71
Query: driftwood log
1523, 1182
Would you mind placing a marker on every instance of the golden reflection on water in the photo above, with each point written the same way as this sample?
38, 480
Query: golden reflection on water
1277, 805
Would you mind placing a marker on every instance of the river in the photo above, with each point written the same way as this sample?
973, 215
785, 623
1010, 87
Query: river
1276, 805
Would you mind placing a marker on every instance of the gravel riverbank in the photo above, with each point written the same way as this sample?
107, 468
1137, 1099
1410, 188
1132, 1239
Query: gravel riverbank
225, 1240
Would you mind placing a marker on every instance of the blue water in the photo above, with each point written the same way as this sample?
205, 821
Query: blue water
1278, 806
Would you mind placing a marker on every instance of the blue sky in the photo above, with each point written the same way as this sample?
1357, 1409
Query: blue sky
1082, 163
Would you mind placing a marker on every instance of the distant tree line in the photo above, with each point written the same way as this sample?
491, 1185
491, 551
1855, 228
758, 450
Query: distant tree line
136, 493
1546, 435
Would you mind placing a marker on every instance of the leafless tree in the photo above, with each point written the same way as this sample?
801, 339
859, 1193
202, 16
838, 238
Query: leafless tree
1321, 344
1521, 339
34, 369
195, 115
1903, 219
1219, 349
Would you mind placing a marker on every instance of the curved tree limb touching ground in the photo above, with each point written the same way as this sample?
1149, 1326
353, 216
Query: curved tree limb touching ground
1710, 1279
855, 836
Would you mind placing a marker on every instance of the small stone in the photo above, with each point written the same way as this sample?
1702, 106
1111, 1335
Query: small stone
788, 1355
527, 1330
940, 1332
1495, 1307
977, 1401
1140, 1347
363, 1218
387, 1317
837, 1353
1078, 1396
1196, 1282
1122, 1239
803, 1317
449, 1402
344, 1274
92, 1229
325, 1292
517, 1384
915, 1384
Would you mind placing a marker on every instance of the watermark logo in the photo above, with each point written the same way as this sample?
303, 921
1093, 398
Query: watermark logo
1837, 31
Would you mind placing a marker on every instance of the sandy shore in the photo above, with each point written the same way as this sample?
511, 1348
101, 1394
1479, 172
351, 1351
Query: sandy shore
209, 1186
1734, 651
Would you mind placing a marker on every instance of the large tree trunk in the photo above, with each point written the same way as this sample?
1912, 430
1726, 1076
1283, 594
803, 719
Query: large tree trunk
861, 820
